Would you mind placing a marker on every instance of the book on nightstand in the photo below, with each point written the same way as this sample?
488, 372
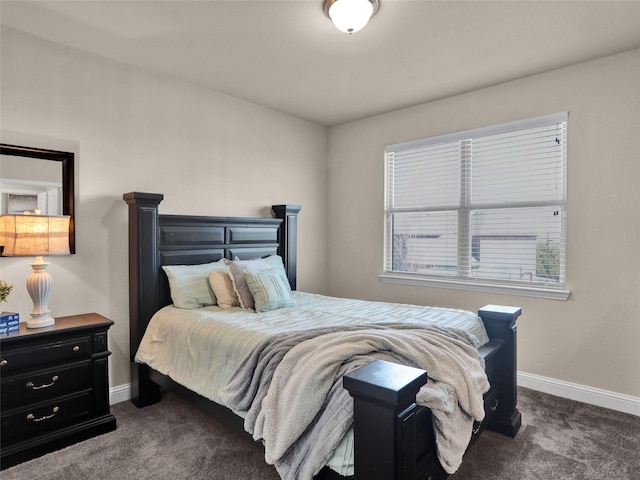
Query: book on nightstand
9, 322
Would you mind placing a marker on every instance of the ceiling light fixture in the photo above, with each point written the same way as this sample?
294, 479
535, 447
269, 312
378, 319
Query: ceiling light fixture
350, 16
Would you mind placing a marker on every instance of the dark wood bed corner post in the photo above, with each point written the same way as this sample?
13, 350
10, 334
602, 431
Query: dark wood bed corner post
143, 286
288, 239
384, 419
500, 322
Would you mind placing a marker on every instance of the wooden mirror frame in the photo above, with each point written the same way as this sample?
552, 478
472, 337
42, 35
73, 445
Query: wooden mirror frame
67, 160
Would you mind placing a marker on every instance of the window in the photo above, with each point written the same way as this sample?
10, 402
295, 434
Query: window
483, 209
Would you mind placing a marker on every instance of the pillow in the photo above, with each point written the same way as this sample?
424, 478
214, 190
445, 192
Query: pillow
269, 290
189, 284
276, 262
222, 286
237, 270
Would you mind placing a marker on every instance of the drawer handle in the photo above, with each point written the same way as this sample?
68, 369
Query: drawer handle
33, 418
76, 348
33, 387
493, 408
3, 363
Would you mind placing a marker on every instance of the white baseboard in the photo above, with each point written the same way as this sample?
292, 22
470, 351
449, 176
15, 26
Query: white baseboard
581, 393
121, 393
572, 391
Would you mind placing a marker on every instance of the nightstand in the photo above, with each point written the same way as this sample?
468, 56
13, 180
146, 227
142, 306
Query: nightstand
55, 387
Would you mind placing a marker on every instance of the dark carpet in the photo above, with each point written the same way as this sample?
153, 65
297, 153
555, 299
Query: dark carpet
559, 439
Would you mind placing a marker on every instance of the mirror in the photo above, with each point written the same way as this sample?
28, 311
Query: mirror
37, 178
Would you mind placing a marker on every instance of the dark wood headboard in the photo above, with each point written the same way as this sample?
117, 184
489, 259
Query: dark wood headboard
156, 240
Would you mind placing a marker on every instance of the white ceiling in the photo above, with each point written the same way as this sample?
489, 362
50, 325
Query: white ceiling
286, 55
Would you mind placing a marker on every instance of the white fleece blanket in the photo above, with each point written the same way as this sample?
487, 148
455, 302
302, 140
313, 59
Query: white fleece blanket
289, 389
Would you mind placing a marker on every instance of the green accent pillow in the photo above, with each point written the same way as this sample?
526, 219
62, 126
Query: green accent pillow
270, 291
237, 269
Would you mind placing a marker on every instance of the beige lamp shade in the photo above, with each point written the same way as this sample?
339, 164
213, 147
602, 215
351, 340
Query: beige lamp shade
35, 235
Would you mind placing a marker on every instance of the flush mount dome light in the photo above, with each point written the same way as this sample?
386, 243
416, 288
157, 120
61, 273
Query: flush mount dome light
350, 16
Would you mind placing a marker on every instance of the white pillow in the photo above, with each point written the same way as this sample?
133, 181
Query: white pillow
189, 284
276, 262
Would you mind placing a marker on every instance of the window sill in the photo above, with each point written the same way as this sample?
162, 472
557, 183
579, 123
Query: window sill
537, 292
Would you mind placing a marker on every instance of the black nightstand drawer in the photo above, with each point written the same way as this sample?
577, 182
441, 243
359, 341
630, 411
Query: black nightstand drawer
54, 386
38, 418
45, 354
43, 385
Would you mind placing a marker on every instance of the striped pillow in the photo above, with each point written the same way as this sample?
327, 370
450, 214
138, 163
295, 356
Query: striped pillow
269, 290
237, 270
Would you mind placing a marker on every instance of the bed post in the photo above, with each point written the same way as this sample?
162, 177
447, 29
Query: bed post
385, 419
500, 323
143, 286
288, 239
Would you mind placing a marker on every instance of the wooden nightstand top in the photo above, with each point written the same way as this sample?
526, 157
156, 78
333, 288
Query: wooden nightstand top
67, 324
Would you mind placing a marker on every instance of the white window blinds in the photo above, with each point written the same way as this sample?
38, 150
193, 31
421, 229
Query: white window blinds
486, 205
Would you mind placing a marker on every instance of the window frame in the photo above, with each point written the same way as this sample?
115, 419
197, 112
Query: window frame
467, 283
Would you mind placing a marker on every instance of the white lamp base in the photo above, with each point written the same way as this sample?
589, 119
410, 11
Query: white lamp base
39, 322
39, 284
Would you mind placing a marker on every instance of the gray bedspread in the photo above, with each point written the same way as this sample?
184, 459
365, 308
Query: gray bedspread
289, 389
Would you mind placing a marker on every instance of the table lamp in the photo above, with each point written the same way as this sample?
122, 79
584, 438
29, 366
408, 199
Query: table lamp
37, 235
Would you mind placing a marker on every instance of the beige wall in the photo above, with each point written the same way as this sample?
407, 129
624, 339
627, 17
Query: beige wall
215, 155
206, 152
593, 338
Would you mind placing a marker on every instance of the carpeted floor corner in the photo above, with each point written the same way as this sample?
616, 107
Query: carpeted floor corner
559, 439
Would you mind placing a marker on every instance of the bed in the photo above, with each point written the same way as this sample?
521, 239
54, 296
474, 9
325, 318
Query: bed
393, 437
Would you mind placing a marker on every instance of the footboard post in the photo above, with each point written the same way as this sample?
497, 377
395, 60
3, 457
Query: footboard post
143, 286
500, 323
384, 396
